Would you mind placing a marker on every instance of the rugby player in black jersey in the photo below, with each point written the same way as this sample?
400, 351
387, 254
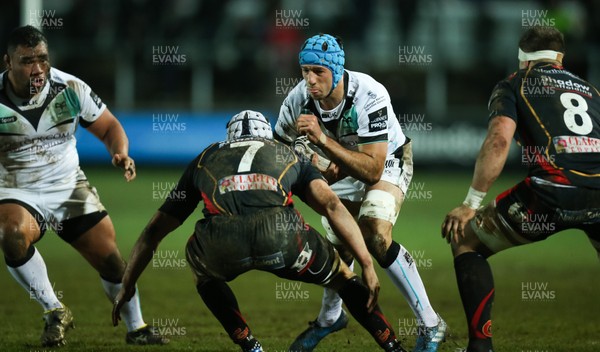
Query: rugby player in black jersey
250, 223
554, 115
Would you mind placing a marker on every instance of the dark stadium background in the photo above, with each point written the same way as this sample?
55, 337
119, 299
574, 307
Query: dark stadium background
175, 71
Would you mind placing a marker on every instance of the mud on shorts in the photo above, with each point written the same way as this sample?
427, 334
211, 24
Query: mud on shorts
69, 208
276, 240
535, 209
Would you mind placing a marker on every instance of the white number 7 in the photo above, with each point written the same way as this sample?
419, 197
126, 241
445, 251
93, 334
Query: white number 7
248, 157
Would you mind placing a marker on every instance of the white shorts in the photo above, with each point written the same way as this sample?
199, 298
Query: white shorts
63, 201
398, 170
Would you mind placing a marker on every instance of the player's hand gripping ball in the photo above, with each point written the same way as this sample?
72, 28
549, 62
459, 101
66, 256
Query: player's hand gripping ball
302, 146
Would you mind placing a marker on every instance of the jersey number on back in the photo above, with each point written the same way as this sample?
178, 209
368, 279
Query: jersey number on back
572, 110
246, 161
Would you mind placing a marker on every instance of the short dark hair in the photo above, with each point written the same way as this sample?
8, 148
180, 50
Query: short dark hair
542, 38
28, 36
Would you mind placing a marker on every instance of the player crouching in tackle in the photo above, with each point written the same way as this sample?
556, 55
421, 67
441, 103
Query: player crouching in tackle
246, 184
561, 130
42, 185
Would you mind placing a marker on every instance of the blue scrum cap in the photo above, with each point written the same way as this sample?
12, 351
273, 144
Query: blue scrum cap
324, 50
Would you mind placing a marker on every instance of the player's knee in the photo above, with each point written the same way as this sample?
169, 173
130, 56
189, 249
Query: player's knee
380, 205
345, 254
13, 241
377, 245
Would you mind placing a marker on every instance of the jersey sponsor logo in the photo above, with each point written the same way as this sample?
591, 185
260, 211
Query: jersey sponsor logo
375, 100
249, 182
586, 215
378, 120
576, 144
40, 143
566, 85
391, 163
8, 119
96, 99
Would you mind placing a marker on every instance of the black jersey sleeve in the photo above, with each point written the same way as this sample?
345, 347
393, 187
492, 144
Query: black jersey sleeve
184, 198
503, 101
307, 173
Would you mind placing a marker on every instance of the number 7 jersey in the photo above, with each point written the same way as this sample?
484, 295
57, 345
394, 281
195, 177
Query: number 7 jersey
558, 123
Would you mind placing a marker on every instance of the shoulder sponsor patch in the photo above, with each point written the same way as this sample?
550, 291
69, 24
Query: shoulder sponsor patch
378, 120
8, 119
96, 99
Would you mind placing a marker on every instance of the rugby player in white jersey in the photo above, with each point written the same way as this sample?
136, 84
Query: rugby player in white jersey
42, 186
349, 116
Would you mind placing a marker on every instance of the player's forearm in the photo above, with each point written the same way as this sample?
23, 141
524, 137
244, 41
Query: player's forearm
345, 227
138, 261
490, 161
116, 140
159, 226
361, 166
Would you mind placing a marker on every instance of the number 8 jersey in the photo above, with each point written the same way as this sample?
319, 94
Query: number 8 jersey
558, 123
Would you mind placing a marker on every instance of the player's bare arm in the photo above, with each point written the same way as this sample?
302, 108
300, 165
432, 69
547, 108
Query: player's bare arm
365, 165
322, 199
490, 161
159, 226
109, 130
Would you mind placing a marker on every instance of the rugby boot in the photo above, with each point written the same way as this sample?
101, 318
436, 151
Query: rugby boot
429, 339
148, 335
309, 338
393, 346
250, 344
57, 322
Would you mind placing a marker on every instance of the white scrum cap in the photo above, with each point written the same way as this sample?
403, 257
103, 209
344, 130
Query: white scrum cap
249, 123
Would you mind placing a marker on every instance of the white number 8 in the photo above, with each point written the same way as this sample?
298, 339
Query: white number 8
581, 109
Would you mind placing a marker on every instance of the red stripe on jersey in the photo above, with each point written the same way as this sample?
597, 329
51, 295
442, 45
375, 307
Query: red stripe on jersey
556, 175
289, 201
209, 205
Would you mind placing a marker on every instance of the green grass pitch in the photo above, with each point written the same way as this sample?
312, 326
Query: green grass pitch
545, 293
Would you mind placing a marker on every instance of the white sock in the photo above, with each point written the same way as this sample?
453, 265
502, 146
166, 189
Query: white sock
131, 311
331, 306
405, 276
33, 276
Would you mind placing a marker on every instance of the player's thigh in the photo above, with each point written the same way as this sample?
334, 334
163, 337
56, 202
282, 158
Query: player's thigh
20, 226
310, 258
488, 233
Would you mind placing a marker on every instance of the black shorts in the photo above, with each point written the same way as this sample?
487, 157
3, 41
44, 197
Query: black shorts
536, 209
276, 240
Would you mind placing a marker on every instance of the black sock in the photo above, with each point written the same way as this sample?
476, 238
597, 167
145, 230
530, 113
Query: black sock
355, 295
476, 288
221, 301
